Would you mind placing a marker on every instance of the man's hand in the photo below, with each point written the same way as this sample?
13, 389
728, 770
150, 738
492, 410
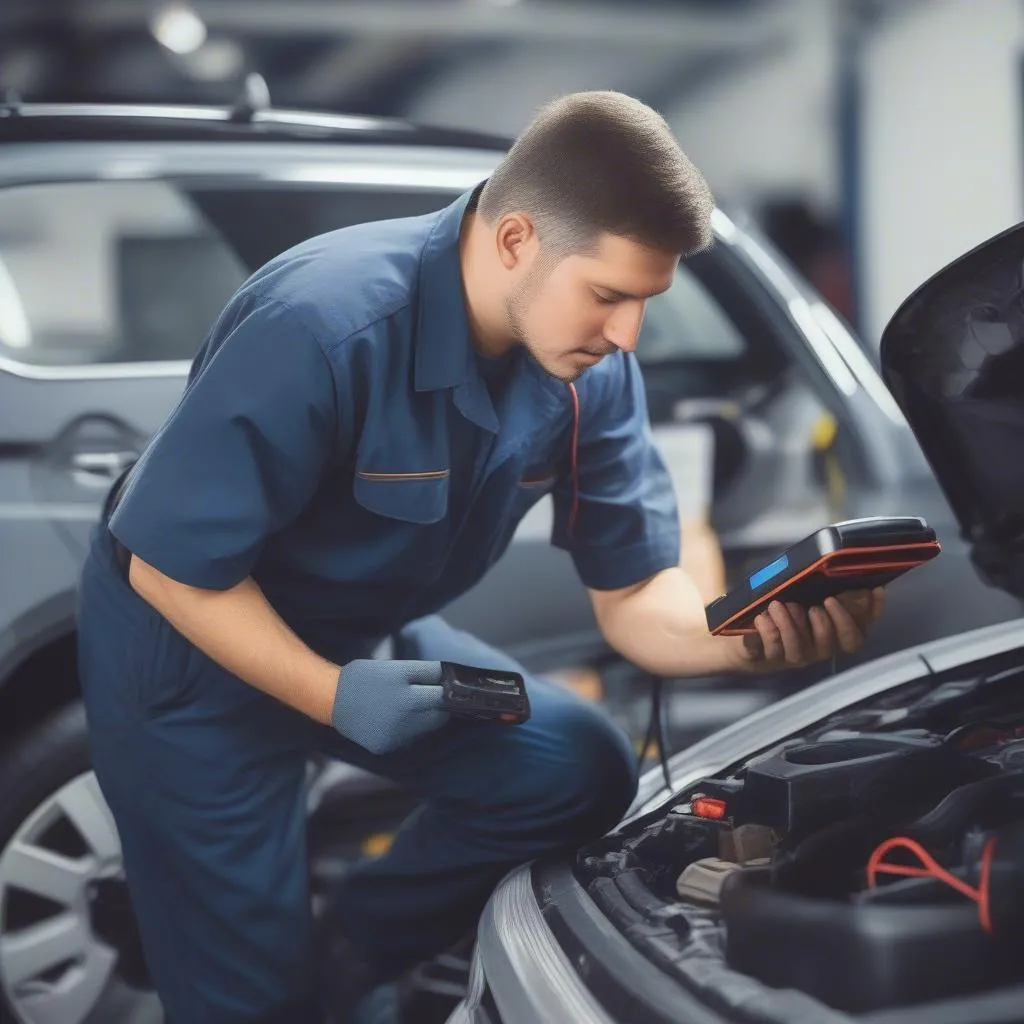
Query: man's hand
789, 636
660, 626
383, 705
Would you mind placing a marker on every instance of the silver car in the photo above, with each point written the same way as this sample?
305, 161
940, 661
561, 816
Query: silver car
123, 230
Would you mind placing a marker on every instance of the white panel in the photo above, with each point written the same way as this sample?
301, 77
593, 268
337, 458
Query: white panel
941, 155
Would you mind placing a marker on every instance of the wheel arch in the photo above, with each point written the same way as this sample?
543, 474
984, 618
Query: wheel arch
39, 674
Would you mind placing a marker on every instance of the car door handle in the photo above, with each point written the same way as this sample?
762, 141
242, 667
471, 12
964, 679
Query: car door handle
100, 469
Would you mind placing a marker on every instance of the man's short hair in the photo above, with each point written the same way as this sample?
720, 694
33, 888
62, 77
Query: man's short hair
602, 162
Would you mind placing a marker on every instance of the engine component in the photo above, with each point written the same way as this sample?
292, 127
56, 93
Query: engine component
746, 843
702, 881
858, 957
930, 868
992, 874
891, 776
1006, 882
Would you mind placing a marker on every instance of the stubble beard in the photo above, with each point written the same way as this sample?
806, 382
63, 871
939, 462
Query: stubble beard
516, 305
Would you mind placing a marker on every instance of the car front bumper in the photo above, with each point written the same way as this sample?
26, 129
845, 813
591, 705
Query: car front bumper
520, 974
546, 952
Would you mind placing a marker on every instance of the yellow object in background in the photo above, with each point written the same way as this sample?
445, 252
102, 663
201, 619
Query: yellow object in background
377, 843
823, 438
825, 431
653, 749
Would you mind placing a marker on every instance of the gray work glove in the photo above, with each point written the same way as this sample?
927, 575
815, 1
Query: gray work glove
383, 705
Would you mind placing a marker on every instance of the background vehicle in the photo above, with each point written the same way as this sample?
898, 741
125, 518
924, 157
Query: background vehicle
123, 231
913, 761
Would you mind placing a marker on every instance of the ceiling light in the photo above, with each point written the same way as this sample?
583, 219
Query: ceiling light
178, 28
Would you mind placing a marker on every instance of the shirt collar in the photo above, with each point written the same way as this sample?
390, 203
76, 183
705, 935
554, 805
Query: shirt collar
444, 350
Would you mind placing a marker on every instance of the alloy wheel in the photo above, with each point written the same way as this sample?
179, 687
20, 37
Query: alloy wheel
69, 950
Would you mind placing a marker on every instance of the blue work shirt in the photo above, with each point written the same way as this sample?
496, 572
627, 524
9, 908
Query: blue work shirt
336, 441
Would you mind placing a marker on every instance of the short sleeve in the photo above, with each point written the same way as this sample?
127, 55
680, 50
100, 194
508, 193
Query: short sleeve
627, 523
240, 456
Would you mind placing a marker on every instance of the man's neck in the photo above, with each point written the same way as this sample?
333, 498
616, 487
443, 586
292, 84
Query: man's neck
485, 313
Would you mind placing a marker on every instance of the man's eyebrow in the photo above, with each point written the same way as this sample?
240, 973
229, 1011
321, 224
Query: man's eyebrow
616, 294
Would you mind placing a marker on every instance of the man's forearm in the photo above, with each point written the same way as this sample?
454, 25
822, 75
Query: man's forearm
240, 631
660, 626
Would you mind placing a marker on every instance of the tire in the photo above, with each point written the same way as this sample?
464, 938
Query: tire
61, 883
46, 778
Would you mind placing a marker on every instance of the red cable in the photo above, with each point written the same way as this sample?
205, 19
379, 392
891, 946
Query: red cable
573, 467
984, 910
932, 869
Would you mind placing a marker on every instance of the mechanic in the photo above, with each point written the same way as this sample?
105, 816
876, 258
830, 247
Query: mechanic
359, 435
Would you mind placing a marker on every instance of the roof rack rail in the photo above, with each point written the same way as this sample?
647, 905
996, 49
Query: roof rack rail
255, 96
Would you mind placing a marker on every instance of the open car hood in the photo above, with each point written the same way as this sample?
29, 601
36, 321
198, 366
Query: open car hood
953, 357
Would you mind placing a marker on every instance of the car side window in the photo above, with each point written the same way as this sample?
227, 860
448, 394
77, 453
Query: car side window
138, 271
686, 324
692, 345
262, 220
102, 272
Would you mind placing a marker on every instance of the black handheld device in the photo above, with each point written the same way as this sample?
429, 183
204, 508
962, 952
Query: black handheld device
484, 694
853, 555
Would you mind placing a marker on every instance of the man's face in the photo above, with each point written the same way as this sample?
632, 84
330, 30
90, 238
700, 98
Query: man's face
570, 315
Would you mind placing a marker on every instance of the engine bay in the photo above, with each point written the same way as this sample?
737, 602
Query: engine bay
875, 861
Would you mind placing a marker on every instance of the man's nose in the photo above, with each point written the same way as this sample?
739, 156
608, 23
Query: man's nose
622, 328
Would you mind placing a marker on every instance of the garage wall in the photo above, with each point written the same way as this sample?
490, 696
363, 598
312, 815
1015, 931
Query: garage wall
769, 126
941, 154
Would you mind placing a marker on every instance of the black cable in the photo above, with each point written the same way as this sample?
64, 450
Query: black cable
652, 725
656, 727
659, 713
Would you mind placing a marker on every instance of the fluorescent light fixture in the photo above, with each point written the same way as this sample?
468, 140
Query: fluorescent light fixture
178, 28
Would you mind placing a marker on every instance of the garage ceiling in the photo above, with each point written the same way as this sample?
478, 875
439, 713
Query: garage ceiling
485, 63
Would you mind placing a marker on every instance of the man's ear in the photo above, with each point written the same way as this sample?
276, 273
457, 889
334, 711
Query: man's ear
516, 239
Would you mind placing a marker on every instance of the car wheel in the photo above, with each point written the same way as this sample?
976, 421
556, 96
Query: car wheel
69, 947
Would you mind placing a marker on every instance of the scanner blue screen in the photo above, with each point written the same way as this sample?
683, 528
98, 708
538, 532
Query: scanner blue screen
769, 572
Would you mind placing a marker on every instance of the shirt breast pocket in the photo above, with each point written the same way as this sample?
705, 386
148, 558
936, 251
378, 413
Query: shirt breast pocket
414, 497
403, 520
